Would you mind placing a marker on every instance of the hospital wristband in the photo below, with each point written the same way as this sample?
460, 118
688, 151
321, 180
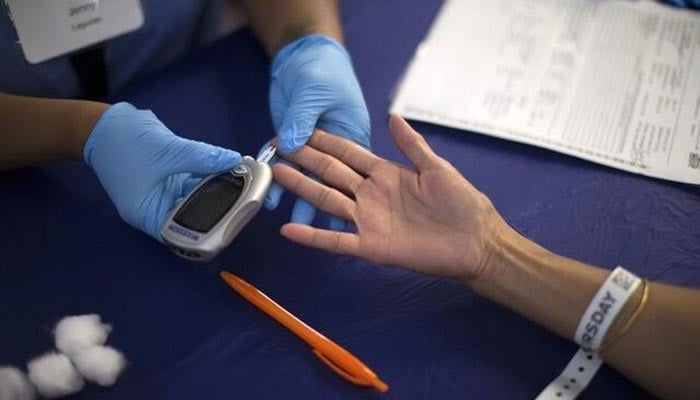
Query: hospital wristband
590, 334
605, 307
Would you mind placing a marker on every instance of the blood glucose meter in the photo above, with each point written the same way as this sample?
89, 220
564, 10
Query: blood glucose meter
217, 209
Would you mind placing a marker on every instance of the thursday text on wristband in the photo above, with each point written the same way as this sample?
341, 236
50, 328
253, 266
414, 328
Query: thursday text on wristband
605, 307
592, 330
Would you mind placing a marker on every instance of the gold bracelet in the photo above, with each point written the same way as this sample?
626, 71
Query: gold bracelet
630, 322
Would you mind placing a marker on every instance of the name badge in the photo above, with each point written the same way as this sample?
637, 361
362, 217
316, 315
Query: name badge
52, 28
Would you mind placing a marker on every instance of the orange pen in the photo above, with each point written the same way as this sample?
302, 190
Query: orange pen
335, 357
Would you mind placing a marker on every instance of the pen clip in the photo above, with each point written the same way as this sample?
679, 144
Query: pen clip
338, 370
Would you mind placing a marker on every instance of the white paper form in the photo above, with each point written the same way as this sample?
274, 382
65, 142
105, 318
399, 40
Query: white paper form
615, 82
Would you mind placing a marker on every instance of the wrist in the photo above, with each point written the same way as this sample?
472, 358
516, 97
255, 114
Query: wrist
286, 53
304, 28
504, 250
546, 288
84, 117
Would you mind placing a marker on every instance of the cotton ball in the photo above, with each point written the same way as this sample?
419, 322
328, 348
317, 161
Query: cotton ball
77, 333
54, 375
100, 364
14, 385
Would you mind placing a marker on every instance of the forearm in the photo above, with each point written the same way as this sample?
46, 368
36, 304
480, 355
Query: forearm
659, 353
277, 23
37, 131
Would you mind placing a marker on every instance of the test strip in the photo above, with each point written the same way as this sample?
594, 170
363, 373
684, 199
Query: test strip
267, 155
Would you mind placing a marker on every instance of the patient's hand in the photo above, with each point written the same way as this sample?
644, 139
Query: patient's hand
429, 219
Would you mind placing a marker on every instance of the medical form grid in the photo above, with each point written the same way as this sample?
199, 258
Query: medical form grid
614, 88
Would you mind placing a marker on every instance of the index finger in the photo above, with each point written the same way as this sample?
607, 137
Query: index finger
349, 152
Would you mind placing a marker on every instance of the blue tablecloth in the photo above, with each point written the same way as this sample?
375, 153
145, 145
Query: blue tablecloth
186, 335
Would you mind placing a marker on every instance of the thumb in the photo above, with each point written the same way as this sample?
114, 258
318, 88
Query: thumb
203, 158
298, 123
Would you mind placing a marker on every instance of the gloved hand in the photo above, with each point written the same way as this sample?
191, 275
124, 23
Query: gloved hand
313, 85
145, 168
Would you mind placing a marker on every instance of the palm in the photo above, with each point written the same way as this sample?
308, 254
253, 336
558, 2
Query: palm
428, 219
423, 221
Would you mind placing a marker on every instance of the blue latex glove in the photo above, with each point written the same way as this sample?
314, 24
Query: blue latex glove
313, 85
145, 168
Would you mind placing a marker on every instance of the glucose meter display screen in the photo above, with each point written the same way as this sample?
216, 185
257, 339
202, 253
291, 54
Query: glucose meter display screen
210, 203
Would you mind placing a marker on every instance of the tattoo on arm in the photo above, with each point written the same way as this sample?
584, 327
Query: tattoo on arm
295, 31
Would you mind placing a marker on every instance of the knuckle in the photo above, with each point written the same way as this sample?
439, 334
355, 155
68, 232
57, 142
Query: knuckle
337, 244
325, 165
323, 197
